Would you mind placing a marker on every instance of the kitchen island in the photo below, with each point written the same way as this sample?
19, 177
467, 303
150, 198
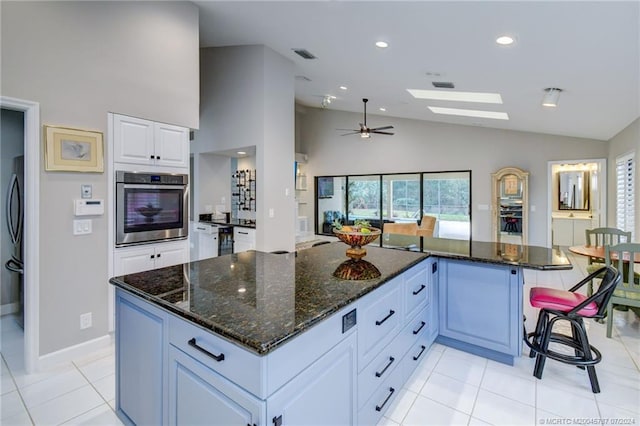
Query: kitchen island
259, 338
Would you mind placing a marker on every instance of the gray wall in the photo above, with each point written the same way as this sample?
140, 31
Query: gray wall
81, 60
11, 146
247, 99
428, 146
625, 142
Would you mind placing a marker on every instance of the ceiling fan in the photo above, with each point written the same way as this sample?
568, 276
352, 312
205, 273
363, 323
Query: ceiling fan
364, 131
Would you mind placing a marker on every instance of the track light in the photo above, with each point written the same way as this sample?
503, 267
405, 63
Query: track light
551, 97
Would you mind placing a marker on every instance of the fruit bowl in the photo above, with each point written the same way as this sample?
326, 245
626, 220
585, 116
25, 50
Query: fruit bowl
356, 270
357, 237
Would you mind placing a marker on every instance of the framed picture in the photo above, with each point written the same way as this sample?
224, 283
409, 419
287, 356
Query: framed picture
73, 150
511, 186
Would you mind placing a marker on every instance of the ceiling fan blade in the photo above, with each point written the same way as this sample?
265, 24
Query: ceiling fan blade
349, 130
381, 133
382, 128
355, 132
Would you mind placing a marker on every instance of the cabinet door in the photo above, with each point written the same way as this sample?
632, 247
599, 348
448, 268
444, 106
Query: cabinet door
172, 254
133, 140
579, 228
323, 394
563, 232
171, 145
481, 308
140, 352
132, 260
200, 396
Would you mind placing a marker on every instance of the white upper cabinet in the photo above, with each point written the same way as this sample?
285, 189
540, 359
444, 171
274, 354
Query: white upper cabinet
139, 141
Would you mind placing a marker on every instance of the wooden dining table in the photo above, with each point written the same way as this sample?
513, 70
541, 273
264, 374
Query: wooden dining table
598, 252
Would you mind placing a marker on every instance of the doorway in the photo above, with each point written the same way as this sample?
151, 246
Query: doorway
31, 149
582, 206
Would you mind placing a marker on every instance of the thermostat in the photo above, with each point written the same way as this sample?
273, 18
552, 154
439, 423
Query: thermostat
90, 207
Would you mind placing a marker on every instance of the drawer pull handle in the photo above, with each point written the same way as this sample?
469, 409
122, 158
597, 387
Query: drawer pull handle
422, 287
422, 324
415, 358
391, 312
379, 407
380, 373
193, 343
243, 233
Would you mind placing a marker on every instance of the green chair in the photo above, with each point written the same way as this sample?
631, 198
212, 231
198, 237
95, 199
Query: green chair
627, 292
602, 237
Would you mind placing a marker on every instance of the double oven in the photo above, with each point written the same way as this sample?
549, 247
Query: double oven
151, 207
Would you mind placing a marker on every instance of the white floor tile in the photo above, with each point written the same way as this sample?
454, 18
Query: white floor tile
106, 387
498, 410
450, 392
510, 386
21, 419
428, 412
400, 406
562, 401
100, 416
609, 412
52, 387
423, 371
112, 404
11, 405
465, 369
384, 421
624, 397
6, 381
477, 422
24, 379
99, 368
66, 407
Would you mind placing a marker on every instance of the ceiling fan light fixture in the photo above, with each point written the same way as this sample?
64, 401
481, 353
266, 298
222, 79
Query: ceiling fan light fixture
365, 135
551, 97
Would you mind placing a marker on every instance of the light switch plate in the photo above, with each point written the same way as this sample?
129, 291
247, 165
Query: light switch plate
81, 226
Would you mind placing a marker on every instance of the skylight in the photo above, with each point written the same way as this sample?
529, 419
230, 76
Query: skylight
447, 95
470, 113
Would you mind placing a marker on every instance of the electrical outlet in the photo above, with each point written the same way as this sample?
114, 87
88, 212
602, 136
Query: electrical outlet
85, 321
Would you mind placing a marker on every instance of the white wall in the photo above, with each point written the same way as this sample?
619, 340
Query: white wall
81, 60
427, 146
213, 183
247, 99
625, 142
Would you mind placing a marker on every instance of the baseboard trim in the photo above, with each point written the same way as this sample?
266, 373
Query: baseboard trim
80, 350
9, 308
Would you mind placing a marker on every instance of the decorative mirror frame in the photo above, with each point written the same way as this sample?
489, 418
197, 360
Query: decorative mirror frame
511, 183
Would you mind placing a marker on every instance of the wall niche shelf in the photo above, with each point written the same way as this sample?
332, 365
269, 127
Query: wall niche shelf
510, 205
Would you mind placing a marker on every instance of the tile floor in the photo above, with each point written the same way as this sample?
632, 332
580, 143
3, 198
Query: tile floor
449, 387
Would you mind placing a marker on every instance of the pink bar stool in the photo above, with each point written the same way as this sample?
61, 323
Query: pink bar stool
556, 305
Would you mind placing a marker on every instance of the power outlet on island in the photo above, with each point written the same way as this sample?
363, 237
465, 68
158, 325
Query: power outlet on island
85, 320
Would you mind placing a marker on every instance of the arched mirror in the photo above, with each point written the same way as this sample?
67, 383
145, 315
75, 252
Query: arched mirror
510, 194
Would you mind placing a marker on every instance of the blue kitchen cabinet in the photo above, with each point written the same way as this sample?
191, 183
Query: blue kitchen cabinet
200, 396
481, 308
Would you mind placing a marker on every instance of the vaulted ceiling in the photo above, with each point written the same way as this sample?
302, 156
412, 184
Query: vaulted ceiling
591, 50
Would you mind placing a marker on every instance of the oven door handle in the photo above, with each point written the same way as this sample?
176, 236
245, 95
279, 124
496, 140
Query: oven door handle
150, 186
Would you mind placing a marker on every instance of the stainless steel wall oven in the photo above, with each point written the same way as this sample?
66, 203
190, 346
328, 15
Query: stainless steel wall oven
151, 207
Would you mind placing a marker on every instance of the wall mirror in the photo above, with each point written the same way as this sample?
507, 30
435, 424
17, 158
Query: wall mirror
573, 190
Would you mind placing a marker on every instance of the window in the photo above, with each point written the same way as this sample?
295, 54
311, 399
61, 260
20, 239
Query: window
397, 197
625, 188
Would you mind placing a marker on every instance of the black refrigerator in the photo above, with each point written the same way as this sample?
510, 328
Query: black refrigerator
15, 222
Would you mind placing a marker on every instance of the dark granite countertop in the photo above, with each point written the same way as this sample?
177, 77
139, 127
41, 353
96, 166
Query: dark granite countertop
260, 300
531, 257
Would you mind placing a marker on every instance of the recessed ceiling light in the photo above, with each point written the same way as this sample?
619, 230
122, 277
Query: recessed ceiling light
448, 95
505, 40
470, 113
382, 44
382, 109
343, 87
241, 153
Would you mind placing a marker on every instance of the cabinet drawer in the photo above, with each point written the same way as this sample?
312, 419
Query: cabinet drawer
381, 319
415, 328
414, 356
378, 370
236, 364
246, 235
416, 289
374, 408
